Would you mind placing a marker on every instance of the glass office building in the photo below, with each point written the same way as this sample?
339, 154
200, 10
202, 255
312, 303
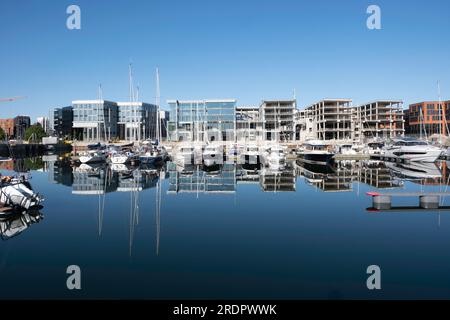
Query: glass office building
95, 120
137, 121
202, 120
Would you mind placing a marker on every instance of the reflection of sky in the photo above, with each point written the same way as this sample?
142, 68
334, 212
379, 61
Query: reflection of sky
247, 244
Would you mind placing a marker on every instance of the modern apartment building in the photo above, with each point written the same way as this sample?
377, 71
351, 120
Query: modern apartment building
8, 127
44, 123
95, 120
21, 124
429, 117
63, 122
202, 120
379, 119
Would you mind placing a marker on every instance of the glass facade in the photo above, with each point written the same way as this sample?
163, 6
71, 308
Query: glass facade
95, 120
203, 120
137, 121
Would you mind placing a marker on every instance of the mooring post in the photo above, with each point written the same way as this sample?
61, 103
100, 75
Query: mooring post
379, 201
429, 202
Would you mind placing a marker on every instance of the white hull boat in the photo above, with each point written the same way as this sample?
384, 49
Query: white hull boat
16, 193
92, 157
412, 150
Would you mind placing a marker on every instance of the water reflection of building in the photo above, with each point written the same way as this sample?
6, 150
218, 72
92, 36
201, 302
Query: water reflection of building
194, 179
92, 180
278, 181
329, 179
60, 172
341, 175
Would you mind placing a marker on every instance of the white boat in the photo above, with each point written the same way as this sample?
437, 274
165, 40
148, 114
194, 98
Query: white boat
184, 155
92, 156
317, 152
412, 150
18, 193
123, 157
346, 149
274, 157
150, 157
213, 155
374, 148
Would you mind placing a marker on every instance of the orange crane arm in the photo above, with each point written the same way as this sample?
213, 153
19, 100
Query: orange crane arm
11, 99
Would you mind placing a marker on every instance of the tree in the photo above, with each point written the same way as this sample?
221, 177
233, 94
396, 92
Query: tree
35, 133
2, 134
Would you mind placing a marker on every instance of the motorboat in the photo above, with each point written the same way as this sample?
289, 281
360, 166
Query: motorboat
274, 157
346, 149
374, 148
213, 155
17, 192
412, 150
92, 156
317, 152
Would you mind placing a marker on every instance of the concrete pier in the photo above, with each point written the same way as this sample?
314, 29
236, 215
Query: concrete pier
428, 200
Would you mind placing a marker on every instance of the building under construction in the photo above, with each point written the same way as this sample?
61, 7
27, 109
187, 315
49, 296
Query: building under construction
381, 119
331, 119
277, 118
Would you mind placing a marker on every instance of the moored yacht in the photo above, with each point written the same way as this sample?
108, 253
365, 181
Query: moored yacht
92, 156
123, 157
412, 150
317, 152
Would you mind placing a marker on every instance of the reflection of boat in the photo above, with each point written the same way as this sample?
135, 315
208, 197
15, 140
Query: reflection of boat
317, 152
18, 222
274, 157
118, 167
412, 150
250, 155
316, 169
213, 155
415, 170
92, 157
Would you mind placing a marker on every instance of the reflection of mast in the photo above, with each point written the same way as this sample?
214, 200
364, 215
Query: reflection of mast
134, 208
101, 207
158, 213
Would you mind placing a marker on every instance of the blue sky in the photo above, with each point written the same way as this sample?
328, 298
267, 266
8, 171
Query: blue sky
248, 50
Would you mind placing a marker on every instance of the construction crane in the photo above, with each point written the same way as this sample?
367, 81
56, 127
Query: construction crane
11, 99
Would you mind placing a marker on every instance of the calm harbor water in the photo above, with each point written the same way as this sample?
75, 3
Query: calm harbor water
304, 232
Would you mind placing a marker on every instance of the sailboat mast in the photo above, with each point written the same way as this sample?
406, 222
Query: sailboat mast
158, 98
442, 112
